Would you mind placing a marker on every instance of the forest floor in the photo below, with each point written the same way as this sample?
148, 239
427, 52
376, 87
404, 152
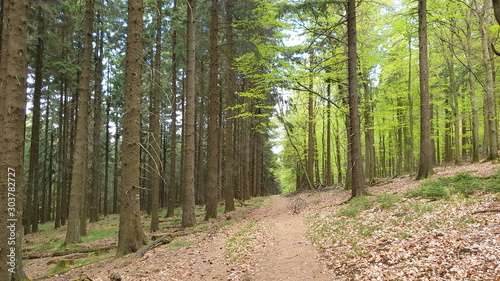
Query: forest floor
308, 236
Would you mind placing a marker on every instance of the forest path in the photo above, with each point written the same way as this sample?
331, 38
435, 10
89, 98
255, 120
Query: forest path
289, 254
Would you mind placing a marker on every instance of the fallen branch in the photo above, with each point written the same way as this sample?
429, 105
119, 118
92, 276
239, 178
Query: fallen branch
68, 252
165, 239
487, 211
160, 241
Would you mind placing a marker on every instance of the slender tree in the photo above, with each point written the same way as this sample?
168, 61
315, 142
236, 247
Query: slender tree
154, 123
229, 133
188, 205
130, 235
172, 189
79, 172
213, 124
426, 151
33, 183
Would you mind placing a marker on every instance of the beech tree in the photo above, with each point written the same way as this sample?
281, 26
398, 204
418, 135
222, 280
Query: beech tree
426, 150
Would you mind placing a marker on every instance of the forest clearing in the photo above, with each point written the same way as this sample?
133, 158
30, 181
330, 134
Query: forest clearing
308, 236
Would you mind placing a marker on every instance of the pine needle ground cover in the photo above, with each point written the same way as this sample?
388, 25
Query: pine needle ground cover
438, 231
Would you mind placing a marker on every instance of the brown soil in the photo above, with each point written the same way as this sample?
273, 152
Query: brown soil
273, 242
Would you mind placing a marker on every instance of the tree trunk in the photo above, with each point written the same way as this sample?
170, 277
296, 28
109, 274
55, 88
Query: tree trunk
115, 173
79, 172
369, 132
425, 162
95, 185
213, 115
309, 176
409, 151
328, 164
229, 134
473, 98
13, 72
130, 234
106, 161
155, 167
33, 183
172, 188
188, 206
489, 97
357, 174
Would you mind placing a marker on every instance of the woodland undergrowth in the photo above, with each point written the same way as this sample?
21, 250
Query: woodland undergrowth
433, 232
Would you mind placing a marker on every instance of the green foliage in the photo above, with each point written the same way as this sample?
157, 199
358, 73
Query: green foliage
464, 184
387, 201
356, 205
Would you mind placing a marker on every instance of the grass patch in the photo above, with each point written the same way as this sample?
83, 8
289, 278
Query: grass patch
387, 201
355, 206
98, 234
237, 247
56, 244
463, 184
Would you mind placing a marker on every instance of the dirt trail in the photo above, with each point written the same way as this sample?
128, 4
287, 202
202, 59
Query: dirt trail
289, 255
280, 251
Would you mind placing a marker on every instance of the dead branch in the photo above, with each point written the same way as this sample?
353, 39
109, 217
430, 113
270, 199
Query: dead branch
158, 242
68, 252
487, 211
165, 239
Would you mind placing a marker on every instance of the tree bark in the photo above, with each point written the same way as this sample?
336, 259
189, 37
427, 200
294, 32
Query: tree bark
213, 115
130, 234
425, 167
155, 167
13, 72
229, 134
188, 206
96, 178
172, 188
357, 173
491, 125
33, 183
473, 98
80, 157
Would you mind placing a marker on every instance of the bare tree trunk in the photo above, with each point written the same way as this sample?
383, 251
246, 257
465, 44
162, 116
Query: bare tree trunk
213, 115
80, 157
229, 134
172, 188
95, 202
357, 175
155, 166
328, 165
188, 206
115, 173
473, 98
13, 72
491, 137
33, 183
130, 234
425, 162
